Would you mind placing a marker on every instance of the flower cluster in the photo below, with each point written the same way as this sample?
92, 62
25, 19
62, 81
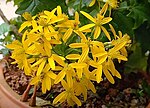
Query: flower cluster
85, 60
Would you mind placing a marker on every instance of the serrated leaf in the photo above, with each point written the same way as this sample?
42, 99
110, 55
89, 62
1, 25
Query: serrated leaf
140, 14
123, 23
4, 28
35, 6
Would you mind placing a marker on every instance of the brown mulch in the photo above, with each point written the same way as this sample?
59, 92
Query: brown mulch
132, 91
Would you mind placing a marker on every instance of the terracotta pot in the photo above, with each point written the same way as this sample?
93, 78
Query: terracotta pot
8, 98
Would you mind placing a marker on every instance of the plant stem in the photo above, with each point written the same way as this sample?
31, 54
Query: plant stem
32, 101
4, 17
24, 97
14, 28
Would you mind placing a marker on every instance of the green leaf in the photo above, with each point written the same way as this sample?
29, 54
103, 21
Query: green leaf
136, 60
78, 3
140, 13
35, 6
132, 2
4, 28
16, 2
4, 51
123, 6
123, 23
142, 35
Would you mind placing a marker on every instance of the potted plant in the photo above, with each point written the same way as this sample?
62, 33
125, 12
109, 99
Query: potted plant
55, 49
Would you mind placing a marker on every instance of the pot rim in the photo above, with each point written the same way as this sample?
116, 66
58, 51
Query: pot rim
7, 93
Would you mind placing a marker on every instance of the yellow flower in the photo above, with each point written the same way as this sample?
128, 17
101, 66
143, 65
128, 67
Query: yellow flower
119, 39
72, 26
98, 23
68, 95
30, 21
45, 78
21, 60
112, 3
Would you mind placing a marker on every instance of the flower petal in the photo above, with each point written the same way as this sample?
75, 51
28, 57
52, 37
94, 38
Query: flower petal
60, 76
97, 32
85, 27
59, 97
76, 100
88, 16
106, 33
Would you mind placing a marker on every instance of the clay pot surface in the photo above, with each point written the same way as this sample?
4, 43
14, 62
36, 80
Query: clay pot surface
9, 98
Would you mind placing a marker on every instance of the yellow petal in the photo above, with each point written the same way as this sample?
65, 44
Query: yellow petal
58, 68
47, 49
50, 14
35, 80
76, 100
113, 30
41, 66
58, 59
27, 69
106, 33
77, 18
73, 56
51, 62
121, 57
88, 16
46, 84
67, 34
92, 3
24, 36
51, 74
54, 20
91, 86
46, 68
65, 85
40, 49
79, 72
53, 41
82, 36
117, 47
25, 24
84, 54
108, 76
97, 32
59, 97
37, 63
77, 45
69, 79
104, 9
113, 70
106, 20
14, 45
60, 76
102, 59
100, 54
99, 74
59, 11
93, 63
78, 65
85, 27
124, 51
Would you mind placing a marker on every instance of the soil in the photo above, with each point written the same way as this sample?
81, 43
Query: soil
132, 91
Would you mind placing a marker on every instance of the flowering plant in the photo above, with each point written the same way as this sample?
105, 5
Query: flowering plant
55, 49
